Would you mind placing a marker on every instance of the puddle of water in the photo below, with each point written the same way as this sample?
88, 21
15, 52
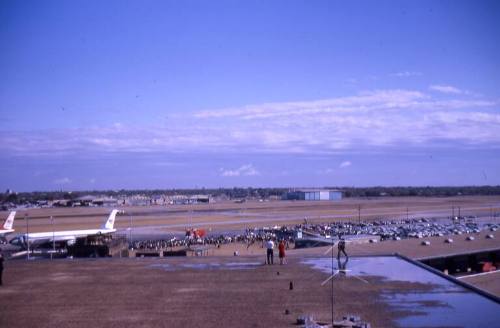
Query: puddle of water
163, 266
456, 309
242, 265
446, 305
200, 266
387, 267
207, 266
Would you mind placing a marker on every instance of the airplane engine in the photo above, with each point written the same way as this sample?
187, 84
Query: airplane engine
18, 241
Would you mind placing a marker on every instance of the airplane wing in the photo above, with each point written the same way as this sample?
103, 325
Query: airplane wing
70, 240
67, 239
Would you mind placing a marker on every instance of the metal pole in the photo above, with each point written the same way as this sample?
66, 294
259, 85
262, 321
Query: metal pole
53, 237
359, 213
27, 235
406, 213
332, 278
130, 232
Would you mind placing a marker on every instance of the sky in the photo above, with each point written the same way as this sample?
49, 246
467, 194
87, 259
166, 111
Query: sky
190, 94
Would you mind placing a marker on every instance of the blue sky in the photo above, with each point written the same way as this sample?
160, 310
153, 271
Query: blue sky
181, 94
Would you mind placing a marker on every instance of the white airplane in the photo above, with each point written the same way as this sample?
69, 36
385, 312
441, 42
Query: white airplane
7, 226
69, 237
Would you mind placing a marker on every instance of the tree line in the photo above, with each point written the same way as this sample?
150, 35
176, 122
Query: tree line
252, 193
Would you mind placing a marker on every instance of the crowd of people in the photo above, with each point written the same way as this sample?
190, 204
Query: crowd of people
249, 237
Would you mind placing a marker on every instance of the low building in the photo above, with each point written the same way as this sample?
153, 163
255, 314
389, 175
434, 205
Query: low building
313, 194
194, 199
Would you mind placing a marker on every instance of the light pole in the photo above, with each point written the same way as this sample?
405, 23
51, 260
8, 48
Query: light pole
53, 237
332, 278
27, 236
130, 227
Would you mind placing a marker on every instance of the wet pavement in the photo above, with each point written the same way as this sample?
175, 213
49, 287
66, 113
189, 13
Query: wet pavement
207, 266
445, 304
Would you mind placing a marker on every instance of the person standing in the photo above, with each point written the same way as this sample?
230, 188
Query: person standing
270, 251
341, 248
281, 250
1, 268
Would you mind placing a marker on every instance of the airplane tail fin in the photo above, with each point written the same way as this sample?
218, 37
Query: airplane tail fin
10, 221
111, 220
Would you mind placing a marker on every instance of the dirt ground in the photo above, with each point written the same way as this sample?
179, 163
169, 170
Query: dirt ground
140, 293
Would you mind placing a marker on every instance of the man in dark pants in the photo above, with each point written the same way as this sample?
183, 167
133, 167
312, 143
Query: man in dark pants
341, 248
270, 251
1, 268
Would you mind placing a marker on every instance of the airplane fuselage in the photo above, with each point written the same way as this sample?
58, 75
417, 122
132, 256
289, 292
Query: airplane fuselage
68, 233
3, 232
68, 237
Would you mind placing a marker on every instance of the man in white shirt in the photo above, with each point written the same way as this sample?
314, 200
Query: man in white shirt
270, 251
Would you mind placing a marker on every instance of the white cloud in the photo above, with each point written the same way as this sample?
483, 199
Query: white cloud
244, 170
62, 181
368, 120
362, 102
406, 74
345, 164
446, 89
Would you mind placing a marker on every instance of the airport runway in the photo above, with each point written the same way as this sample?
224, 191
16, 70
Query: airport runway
232, 216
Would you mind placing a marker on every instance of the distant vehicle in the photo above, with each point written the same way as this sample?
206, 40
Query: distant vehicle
7, 226
67, 237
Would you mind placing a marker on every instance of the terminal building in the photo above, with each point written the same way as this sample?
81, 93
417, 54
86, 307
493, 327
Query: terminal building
313, 194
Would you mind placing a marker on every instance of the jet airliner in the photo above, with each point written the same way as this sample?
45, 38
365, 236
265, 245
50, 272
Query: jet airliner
68, 237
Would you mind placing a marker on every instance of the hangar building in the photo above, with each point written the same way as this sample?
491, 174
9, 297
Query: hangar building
313, 194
